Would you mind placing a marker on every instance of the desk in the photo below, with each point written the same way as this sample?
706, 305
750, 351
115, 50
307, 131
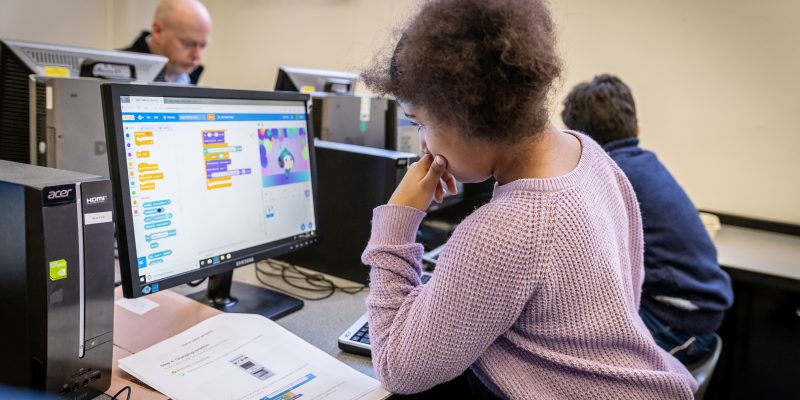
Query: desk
760, 257
318, 322
761, 332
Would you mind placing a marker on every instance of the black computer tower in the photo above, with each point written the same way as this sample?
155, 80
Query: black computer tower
351, 181
56, 280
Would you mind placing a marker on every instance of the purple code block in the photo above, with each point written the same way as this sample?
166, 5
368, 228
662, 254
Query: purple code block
218, 163
213, 137
210, 170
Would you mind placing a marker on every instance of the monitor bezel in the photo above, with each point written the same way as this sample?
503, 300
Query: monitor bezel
287, 74
154, 62
112, 112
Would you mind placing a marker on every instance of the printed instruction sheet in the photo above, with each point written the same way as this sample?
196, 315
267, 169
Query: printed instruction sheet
246, 357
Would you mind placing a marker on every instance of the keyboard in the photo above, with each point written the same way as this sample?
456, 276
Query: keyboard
356, 338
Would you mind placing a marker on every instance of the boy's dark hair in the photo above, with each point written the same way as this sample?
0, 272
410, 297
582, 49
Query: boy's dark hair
484, 67
602, 108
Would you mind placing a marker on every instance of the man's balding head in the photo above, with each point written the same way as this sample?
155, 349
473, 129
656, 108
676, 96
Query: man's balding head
182, 12
181, 30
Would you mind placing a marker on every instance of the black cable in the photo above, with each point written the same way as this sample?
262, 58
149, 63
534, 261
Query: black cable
286, 278
128, 397
311, 278
314, 282
196, 283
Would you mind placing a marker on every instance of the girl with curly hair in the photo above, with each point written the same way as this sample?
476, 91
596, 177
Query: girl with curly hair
536, 294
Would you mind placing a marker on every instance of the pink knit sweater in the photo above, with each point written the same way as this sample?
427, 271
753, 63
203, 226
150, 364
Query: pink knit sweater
537, 291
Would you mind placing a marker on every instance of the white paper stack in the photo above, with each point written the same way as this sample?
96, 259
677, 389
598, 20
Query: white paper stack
246, 357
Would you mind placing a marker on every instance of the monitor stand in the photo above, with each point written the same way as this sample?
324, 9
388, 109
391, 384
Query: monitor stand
249, 299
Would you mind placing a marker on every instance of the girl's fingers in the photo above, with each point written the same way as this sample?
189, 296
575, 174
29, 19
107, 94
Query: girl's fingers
450, 183
436, 167
439, 194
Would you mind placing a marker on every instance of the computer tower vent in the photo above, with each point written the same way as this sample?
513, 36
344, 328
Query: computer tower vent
14, 123
41, 121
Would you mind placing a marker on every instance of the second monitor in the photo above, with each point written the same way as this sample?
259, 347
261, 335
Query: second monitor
207, 180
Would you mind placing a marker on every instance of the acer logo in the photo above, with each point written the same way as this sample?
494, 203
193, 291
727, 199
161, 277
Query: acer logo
96, 200
59, 194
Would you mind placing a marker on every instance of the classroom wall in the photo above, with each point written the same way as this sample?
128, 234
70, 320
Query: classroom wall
715, 81
252, 38
717, 89
85, 23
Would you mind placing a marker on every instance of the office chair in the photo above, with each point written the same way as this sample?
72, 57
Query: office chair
703, 369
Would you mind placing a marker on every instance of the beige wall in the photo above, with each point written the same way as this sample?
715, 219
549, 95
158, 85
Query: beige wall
717, 86
252, 38
716, 81
84, 23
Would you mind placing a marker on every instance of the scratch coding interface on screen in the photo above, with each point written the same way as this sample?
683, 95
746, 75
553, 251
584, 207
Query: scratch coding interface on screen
209, 177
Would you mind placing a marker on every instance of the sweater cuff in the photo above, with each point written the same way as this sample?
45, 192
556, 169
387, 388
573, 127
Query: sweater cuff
395, 224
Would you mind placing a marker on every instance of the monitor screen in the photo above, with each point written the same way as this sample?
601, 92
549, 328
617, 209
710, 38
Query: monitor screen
213, 179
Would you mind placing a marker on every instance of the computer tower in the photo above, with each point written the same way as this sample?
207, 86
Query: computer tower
56, 281
352, 181
67, 130
21, 59
342, 118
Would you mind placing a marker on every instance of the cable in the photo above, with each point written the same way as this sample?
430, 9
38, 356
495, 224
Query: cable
313, 282
128, 397
196, 283
286, 279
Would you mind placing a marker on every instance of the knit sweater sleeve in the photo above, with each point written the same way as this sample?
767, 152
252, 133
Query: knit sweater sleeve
636, 233
425, 335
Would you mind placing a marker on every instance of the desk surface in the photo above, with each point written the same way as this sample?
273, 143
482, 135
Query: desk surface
759, 252
319, 322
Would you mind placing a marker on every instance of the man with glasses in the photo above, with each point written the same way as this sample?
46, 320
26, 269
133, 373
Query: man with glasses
181, 30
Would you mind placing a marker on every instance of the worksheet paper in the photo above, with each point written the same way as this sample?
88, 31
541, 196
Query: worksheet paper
246, 357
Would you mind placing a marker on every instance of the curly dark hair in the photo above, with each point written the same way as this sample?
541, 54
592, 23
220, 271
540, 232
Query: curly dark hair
484, 67
602, 108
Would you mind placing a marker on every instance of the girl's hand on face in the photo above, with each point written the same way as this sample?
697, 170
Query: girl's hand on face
424, 181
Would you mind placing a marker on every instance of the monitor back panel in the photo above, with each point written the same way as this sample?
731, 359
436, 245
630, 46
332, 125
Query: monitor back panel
353, 120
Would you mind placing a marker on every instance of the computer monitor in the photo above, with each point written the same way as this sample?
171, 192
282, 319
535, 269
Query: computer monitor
20, 59
305, 80
207, 180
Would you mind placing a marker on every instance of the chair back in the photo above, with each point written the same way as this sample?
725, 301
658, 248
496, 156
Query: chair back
703, 369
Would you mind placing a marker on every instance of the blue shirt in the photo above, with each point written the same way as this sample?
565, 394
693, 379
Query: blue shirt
684, 285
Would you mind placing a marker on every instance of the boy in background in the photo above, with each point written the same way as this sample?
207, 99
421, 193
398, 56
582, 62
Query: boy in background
685, 293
